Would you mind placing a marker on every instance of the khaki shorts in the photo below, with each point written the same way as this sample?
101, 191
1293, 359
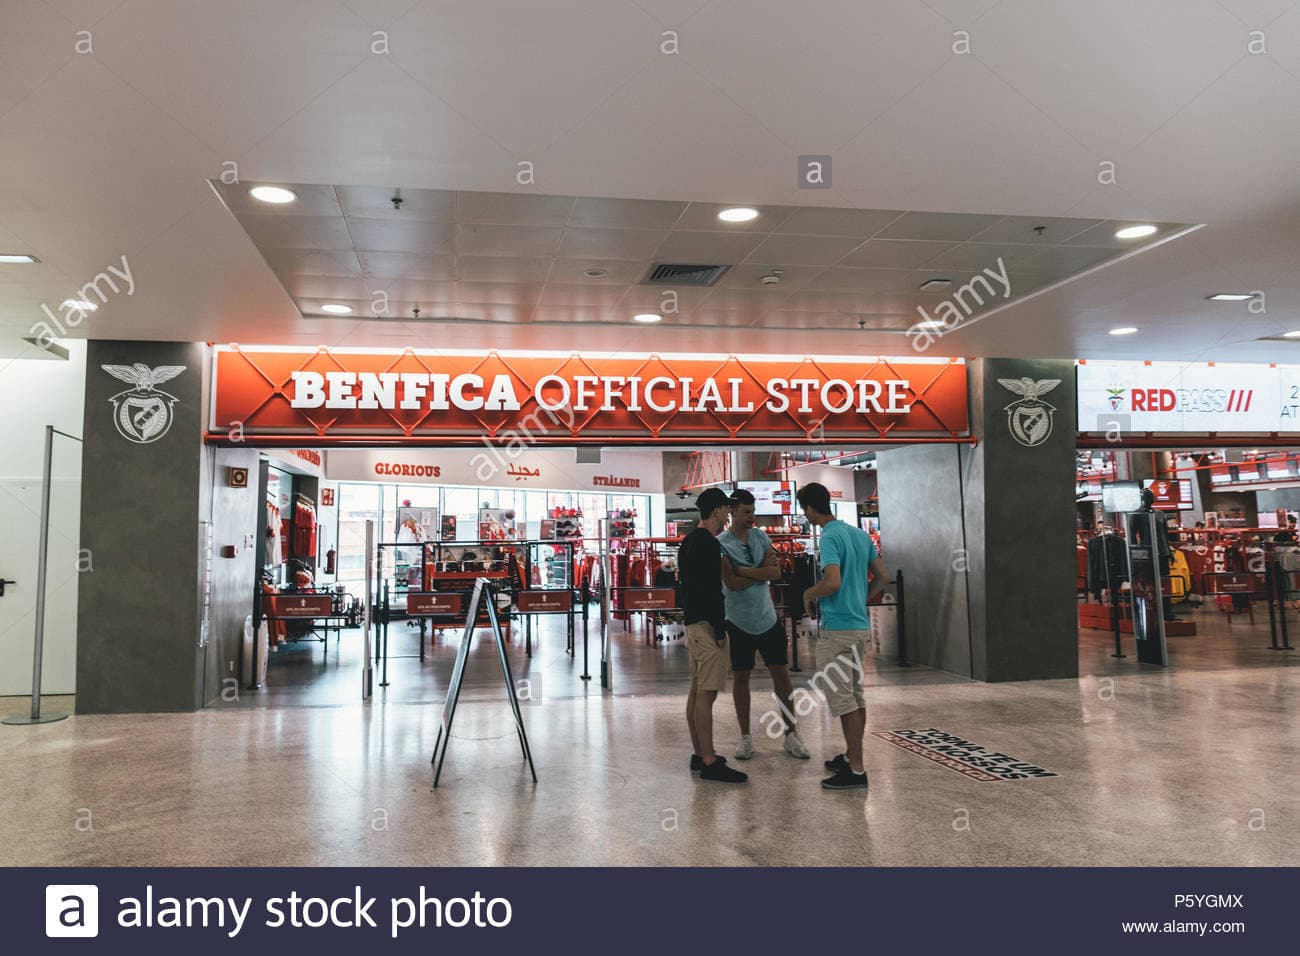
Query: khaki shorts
709, 658
841, 657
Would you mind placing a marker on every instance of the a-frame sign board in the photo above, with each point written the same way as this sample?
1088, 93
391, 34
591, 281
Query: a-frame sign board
483, 592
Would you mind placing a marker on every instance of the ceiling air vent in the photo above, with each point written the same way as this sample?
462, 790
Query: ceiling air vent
665, 273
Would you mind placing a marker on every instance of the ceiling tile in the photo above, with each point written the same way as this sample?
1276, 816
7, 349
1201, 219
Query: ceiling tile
311, 201
701, 216
803, 250
400, 265
1103, 235
838, 279
939, 226
513, 209
376, 202
895, 253
588, 296
625, 213
1023, 229
748, 276
976, 256
746, 300
502, 269
585, 241
312, 262
411, 290
1065, 260
707, 247
331, 288
516, 241
859, 223
391, 235
653, 298
298, 232
499, 293
617, 271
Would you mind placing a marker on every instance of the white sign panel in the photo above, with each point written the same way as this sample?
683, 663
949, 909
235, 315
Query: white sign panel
1170, 397
619, 472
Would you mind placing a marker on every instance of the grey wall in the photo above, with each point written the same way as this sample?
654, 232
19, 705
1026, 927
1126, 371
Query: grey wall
921, 534
1288, 498
137, 635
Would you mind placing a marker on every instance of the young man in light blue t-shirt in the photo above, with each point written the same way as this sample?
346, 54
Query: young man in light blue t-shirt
749, 565
846, 555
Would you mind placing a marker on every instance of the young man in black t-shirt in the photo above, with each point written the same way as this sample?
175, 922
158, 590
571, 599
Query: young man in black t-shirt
699, 564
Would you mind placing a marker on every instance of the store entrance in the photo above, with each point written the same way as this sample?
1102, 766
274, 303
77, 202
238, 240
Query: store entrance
1229, 570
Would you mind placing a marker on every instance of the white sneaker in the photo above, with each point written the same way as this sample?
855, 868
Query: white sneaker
746, 748
794, 746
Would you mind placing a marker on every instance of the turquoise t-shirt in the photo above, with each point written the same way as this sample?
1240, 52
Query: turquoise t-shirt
751, 609
853, 551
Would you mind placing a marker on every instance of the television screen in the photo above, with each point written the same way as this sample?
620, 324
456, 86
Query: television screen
1121, 497
771, 497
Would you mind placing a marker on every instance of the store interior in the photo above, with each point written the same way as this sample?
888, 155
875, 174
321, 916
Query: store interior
432, 537
572, 550
1230, 515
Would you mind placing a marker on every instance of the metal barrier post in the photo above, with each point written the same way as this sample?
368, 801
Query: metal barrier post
1281, 607
1270, 591
902, 621
38, 650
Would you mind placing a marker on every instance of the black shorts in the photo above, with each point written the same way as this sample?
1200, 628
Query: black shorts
772, 644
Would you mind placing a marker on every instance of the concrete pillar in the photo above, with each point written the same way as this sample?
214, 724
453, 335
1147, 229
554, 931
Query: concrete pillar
985, 534
138, 620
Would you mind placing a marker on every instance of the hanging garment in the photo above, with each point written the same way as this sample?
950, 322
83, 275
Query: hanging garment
1106, 556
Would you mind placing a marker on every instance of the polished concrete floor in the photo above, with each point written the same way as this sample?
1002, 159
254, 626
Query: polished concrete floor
1189, 766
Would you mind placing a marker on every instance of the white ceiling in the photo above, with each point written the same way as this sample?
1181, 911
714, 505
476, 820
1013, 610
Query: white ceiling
439, 255
109, 153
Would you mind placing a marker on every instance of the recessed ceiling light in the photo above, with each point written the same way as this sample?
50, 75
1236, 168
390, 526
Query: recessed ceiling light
595, 273
1230, 297
273, 194
929, 324
1135, 232
81, 304
334, 308
738, 214
1293, 334
647, 317
17, 258
1125, 330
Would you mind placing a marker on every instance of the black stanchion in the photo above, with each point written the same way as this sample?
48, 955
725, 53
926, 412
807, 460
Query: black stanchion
586, 622
1270, 591
1281, 607
1114, 625
383, 637
902, 620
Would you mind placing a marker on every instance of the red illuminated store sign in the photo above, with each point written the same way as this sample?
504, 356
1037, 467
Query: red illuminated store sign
334, 397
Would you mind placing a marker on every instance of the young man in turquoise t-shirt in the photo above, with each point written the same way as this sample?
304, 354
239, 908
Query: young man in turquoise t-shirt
846, 555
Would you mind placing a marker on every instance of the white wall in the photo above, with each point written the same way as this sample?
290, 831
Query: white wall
35, 393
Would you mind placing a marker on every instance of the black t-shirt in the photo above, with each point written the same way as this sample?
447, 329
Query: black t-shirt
699, 565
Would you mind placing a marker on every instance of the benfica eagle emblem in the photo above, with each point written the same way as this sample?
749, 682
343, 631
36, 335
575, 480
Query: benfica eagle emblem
1030, 419
143, 413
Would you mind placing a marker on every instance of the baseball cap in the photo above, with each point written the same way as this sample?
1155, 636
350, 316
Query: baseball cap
710, 499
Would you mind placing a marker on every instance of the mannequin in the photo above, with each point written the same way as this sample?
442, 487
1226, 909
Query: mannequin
1163, 550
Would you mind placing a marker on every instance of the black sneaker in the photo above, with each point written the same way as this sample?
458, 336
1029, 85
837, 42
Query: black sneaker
845, 780
836, 764
697, 762
720, 772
